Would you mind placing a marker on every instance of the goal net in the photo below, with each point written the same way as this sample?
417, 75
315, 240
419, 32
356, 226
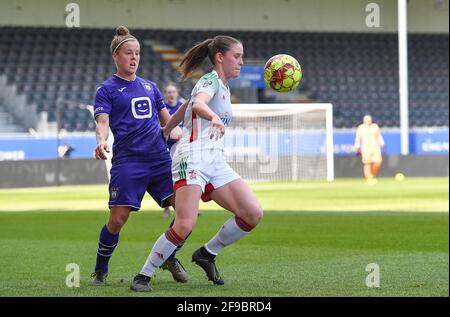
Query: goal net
276, 142
268, 142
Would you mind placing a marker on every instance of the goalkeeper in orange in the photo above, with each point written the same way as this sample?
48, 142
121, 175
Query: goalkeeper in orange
368, 143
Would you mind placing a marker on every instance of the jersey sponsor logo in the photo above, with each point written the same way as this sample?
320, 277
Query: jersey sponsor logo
121, 89
207, 83
192, 174
141, 107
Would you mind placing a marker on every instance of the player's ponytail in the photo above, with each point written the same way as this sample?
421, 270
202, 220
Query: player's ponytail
122, 35
194, 58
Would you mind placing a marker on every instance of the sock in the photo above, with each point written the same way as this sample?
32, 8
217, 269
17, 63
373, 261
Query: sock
171, 258
163, 248
231, 231
107, 242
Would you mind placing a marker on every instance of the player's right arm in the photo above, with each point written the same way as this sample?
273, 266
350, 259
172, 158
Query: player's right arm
102, 109
201, 108
101, 134
175, 120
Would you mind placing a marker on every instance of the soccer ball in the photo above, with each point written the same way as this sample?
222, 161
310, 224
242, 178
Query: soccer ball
282, 73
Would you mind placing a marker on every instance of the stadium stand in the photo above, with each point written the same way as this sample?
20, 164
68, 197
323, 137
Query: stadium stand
356, 72
7, 124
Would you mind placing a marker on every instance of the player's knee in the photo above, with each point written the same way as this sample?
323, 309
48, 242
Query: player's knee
253, 216
257, 214
183, 227
116, 223
114, 227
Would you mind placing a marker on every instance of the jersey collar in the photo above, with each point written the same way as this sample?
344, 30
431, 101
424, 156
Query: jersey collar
124, 79
221, 82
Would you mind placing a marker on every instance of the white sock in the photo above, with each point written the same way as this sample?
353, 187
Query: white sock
162, 249
229, 233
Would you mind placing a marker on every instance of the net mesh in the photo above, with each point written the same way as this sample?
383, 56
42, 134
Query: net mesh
265, 144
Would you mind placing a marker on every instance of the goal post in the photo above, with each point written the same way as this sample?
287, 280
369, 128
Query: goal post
281, 141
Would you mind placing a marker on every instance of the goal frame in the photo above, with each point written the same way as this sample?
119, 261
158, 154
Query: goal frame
301, 108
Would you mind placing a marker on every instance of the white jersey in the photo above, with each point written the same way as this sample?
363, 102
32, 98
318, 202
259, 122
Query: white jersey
195, 135
198, 159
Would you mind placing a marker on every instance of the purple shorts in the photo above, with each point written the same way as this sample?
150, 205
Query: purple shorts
130, 180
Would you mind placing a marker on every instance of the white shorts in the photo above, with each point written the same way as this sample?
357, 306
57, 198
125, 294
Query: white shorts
209, 172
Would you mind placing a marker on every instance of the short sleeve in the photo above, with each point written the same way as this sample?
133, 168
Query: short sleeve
102, 102
159, 99
208, 84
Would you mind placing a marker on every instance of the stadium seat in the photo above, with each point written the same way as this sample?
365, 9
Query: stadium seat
356, 72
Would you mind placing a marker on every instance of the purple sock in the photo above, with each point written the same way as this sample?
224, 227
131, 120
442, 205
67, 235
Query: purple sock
106, 245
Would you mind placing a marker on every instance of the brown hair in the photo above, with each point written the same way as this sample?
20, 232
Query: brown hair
195, 56
122, 35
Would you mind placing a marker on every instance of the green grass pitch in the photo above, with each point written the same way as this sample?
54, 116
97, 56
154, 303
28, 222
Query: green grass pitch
315, 239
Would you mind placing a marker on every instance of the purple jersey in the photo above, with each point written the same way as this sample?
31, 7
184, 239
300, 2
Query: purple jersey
133, 108
172, 110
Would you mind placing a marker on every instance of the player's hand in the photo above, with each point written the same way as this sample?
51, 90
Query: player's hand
101, 150
217, 128
175, 134
165, 133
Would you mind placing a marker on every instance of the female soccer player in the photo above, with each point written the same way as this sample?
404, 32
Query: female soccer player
133, 108
368, 143
199, 169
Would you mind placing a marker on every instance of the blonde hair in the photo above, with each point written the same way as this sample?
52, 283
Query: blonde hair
122, 35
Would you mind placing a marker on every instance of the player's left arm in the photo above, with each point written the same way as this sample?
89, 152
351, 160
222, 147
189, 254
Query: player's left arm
170, 126
163, 116
164, 119
201, 108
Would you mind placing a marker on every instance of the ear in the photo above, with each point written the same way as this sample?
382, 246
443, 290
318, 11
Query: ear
219, 57
115, 56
